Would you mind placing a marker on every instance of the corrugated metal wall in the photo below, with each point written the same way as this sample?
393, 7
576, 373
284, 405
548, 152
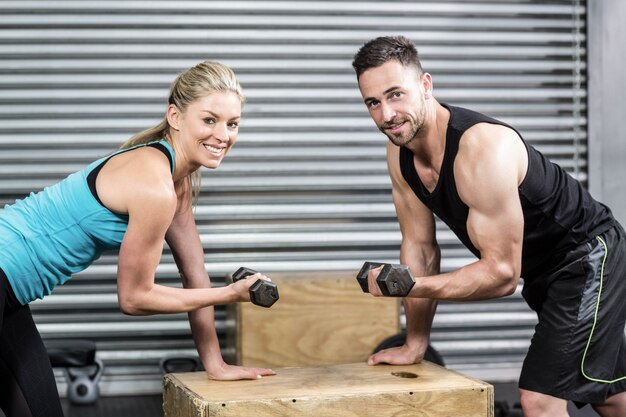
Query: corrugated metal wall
306, 187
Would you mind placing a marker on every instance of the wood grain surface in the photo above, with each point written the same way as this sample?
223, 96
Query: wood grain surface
346, 390
320, 318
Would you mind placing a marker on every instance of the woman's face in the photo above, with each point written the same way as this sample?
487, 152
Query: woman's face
208, 128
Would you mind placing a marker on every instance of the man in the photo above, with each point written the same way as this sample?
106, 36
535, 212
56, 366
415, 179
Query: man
520, 214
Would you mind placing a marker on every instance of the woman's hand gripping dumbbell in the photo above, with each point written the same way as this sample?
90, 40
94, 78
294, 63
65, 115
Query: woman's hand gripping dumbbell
394, 280
263, 293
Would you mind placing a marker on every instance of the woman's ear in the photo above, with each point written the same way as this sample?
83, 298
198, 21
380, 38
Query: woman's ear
173, 117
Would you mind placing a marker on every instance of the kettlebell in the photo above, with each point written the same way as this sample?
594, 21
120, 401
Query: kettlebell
83, 388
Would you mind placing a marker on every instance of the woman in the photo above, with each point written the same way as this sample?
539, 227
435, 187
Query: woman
131, 200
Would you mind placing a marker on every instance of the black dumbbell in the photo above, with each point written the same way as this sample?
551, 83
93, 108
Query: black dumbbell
262, 293
394, 280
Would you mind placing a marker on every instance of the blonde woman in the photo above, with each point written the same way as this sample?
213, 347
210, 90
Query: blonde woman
131, 200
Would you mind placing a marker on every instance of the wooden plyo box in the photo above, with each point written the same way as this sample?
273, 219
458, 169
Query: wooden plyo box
348, 390
320, 318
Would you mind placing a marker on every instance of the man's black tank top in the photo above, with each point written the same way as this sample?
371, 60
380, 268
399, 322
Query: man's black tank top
559, 213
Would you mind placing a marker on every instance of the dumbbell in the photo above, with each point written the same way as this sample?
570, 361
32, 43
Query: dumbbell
262, 293
394, 280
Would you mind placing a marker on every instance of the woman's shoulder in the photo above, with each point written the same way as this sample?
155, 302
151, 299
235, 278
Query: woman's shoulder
146, 160
140, 176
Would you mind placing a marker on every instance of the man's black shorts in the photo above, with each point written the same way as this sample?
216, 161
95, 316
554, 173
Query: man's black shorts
578, 351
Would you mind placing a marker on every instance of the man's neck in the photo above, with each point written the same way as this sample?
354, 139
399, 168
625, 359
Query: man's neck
430, 146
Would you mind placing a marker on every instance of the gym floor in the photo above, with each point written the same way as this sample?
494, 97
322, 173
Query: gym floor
151, 406
146, 406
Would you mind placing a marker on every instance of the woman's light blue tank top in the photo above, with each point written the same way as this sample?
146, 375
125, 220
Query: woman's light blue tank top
57, 232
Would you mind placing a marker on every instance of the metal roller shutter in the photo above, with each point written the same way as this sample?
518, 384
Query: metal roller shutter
306, 186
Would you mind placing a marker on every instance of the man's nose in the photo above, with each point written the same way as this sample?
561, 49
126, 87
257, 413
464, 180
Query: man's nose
388, 112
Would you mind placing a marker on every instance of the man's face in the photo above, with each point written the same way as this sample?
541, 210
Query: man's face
394, 97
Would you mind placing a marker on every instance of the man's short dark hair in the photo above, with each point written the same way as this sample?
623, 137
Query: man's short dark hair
384, 49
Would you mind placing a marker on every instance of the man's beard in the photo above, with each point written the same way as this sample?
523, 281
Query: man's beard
407, 135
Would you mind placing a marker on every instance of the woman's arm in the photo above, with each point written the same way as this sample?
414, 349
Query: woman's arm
184, 241
145, 191
140, 254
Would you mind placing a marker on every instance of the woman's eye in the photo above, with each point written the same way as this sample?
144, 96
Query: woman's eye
233, 125
209, 121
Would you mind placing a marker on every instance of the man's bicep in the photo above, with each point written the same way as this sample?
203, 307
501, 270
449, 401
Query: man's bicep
496, 230
419, 249
495, 222
490, 164
417, 222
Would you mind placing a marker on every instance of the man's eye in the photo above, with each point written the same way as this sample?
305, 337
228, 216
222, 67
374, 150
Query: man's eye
372, 104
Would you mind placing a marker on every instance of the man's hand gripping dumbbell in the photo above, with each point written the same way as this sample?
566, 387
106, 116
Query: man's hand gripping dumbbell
262, 293
394, 280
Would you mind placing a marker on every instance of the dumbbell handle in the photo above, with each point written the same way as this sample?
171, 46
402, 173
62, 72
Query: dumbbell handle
394, 280
262, 293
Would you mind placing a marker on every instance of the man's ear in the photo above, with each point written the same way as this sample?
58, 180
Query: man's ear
173, 117
427, 84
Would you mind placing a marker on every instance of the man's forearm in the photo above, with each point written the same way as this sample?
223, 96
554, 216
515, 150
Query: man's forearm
480, 280
420, 311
